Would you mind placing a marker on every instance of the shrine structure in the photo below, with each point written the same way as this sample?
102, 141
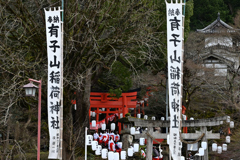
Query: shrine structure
103, 103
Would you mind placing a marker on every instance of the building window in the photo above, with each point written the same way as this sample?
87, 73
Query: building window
212, 66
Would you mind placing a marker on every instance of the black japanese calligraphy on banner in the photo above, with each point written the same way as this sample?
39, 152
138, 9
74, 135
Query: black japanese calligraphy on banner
174, 57
54, 49
175, 51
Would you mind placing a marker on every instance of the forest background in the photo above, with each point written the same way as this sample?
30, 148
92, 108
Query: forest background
111, 46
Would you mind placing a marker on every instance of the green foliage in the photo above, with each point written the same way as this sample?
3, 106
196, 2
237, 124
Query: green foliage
116, 81
233, 5
116, 93
127, 114
205, 12
188, 14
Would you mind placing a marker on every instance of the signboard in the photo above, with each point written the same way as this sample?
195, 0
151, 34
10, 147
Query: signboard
54, 49
175, 61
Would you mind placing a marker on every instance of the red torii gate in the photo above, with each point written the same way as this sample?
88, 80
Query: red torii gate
120, 105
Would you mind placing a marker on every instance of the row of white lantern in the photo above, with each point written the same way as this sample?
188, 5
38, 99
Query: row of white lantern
230, 122
221, 122
103, 127
93, 114
133, 131
145, 116
115, 155
112, 155
219, 149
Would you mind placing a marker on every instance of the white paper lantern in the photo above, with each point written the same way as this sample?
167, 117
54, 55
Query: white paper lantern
231, 124
201, 151
228, 139
191, 118
90, 113
116, 156
98, 152
135, 147
204, 145
182, 158
103, 126
113, 126
93, 114
99, 147
89, 140
93, 123
110, 155
120, 145
94, 145
153, 118
104, 153
214, 147
123, 155
132, 130
138, 115
224, 147
162, 118
145, 117
121, 115
228, 119
219, 150
130, 152
142, 141
103, 109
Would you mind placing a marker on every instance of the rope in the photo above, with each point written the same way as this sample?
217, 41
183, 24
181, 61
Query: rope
152, 138
193, 141
181, 139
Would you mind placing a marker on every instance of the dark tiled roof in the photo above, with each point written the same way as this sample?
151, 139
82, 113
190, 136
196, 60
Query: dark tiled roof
218, 23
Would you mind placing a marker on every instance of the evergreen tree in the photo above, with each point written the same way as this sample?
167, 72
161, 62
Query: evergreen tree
205, 12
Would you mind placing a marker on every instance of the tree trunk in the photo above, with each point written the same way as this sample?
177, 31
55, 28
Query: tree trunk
80, 117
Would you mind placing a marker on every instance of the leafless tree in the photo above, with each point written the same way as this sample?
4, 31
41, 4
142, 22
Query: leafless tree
97, 34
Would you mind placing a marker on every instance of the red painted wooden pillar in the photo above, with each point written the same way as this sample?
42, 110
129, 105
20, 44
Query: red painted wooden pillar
97, 115
89, 113
185, 130
107, 114
139, 106
124, 103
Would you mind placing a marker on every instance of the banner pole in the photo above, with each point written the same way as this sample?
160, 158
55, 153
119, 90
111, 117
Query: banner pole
175, 39
61, 113
86, 143
54, 34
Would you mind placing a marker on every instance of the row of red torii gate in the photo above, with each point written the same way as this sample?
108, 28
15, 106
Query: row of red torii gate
103, 103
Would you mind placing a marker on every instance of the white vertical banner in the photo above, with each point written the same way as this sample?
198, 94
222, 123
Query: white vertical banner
175, 62
54, 49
